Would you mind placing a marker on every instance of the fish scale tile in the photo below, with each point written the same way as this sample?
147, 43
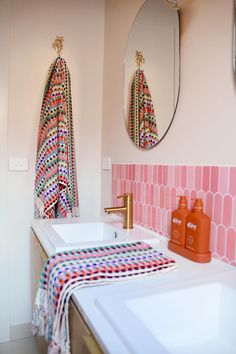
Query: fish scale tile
155, 188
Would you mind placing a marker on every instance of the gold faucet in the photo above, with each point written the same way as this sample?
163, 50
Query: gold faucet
126, 209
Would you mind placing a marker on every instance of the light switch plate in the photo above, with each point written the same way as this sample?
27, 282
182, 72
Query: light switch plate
106, 163
18, 164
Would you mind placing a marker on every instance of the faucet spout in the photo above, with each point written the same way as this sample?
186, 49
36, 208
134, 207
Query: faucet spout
114, 210
126, 210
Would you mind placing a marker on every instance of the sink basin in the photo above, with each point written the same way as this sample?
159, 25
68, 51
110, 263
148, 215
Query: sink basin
58, 235
194, 319
87, 232
66, 236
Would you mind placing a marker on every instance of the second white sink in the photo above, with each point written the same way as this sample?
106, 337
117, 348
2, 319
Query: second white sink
197, 318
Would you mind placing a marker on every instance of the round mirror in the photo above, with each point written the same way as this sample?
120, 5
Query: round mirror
151, 73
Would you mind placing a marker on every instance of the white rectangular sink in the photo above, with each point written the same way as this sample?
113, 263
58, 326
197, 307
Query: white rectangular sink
197, 319
67, 236
58, 235
86, 232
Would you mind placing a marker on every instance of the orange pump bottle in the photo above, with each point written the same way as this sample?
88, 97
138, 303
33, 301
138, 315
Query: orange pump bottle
178, 222
198, 229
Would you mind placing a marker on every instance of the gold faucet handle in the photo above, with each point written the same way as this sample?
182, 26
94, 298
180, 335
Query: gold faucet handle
121, 196
125, 196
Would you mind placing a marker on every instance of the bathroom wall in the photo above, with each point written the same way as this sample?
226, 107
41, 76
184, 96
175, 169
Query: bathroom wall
33, 27
155, 188
203, 130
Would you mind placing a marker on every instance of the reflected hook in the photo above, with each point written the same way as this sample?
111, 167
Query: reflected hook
58, 44
139, 58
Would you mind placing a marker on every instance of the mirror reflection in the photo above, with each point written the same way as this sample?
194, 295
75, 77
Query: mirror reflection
151, 73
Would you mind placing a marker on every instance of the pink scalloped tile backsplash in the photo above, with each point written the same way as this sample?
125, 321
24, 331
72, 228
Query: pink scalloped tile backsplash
155, 188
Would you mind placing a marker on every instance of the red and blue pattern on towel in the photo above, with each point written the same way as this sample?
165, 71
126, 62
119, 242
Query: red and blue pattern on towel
67, 271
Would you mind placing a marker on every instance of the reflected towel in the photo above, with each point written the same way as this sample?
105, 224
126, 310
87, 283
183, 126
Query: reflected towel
55, 184
142, 120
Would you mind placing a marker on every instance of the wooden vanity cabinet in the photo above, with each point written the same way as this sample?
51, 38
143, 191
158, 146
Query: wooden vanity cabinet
81, 339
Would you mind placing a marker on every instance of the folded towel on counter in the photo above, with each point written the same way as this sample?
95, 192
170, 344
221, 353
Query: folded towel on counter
67, 271
55, 183
142, 119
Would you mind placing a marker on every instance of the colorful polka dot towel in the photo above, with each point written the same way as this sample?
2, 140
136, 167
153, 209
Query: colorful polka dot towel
55, 183
65, 272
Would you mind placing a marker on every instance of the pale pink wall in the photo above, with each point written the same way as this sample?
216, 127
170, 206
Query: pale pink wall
202, 136
203, 131
33, 26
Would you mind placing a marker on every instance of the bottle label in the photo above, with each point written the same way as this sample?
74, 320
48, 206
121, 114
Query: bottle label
175, 237
192, 226
176, 234
190, 242
176, 221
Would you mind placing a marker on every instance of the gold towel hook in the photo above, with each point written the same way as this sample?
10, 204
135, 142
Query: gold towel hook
58, 44
139, 59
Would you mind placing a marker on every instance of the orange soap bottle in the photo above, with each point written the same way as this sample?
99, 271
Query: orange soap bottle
198, 231
178, 222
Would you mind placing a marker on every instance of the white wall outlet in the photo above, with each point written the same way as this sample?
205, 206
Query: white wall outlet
106, 163
18, 164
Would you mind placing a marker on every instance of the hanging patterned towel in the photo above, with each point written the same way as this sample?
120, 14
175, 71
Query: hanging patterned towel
67, 271
55, 184
142, 120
